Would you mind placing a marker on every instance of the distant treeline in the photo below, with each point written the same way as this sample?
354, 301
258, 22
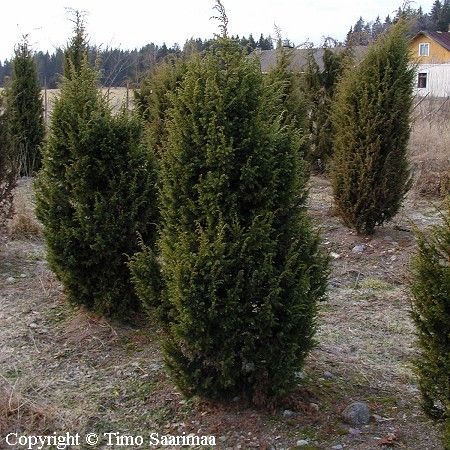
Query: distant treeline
121, 66
438, 19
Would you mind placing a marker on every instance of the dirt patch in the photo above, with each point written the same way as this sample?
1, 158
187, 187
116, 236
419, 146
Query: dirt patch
63, 369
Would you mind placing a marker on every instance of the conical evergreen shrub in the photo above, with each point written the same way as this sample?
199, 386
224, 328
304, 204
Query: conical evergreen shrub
293, 99
320, 85
241, 266
8, 167
153, 104
95, 194
152, 100
25, 113
371, 121
431, 315
77, 48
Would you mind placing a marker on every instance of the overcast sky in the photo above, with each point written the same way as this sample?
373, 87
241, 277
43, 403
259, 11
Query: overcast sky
133, 23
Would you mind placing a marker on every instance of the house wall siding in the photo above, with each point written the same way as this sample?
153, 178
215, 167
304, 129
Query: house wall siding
437, 54
438, 80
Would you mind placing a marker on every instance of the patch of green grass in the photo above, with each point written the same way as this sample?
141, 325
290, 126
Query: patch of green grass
386, 400
374, 284
161, 415
141, 389
309, 433
60, 313
306, 447
13, 373
33, 257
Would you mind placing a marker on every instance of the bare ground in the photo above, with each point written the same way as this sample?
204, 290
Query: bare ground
64, 369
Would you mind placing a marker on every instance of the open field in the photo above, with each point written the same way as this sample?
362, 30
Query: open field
64, 369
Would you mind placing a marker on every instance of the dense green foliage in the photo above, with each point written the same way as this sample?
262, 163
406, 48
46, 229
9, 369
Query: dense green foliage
8, 166
431, 314
25, 111
95, 193
152, 100
320, 85
241, 268
371, 121
77, 48
288, 81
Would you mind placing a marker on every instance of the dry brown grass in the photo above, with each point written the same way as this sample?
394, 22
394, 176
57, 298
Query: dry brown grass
23, 224
430, 156
18, 411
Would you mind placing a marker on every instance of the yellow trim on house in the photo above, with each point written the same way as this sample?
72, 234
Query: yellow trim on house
437, 53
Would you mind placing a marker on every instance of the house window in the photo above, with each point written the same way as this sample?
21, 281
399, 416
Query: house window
424, 49
422, 80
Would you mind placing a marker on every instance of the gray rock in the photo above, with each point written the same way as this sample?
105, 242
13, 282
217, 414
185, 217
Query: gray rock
356, 413
155, 366
33, 325
10, 279
288, 413
328, 375
302, 442
337, 447
248, 367
358, 248
354, 431
314, 407
300, 375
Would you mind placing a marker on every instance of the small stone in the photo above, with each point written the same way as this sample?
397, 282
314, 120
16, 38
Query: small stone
335, 255
337, 447
288, 413
356, 413
328, 375
10, 279
300, 375
354, 431
33, 325
155, 366
248, 367
22, 275
314, 407
358, 248
302, 442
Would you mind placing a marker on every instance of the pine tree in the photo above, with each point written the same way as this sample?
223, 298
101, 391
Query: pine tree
242, 271
435, 15
95, 194
431, 315
371, 128
25, 110
8, 167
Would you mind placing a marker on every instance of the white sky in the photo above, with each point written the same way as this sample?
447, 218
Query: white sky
134, 23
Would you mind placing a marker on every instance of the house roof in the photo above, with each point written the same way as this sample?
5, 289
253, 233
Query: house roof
268, 58
441, 37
